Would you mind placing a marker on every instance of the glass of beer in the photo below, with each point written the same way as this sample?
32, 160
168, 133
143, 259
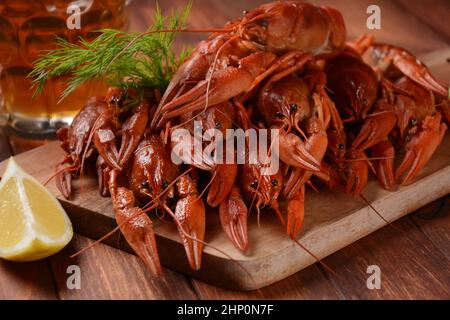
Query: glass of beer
27, 27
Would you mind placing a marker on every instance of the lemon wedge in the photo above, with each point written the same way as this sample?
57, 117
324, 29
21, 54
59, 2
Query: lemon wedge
33, 224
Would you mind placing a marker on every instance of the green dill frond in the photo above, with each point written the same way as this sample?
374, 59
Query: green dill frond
125, 60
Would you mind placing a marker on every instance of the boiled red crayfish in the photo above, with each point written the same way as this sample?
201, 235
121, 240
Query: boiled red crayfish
339, 108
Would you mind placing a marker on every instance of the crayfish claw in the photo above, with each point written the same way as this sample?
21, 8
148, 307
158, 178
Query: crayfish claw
293, 152
421, 147
132, 131
407, 64
417, 71
103, 171
105, 139
64, 180
190, 220
384, 164
129, 144
221, 184
233, 215
137, 229
376, 126
357, 172
110, 155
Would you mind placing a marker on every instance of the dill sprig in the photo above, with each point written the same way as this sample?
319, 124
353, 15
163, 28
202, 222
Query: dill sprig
121, 59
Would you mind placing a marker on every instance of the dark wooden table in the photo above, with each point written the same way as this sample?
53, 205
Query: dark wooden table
414, 264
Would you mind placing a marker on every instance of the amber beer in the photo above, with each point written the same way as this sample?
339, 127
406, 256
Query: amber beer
29, 26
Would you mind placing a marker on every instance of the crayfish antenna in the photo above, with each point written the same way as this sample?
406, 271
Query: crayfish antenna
388, 223
323, 264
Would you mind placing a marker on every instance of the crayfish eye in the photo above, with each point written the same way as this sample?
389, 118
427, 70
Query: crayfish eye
115, 100
340, 146
274, 182
263, 23
413, 121
254, 184
293, 107
165, 185
365, 102
218, 125
145, 185
279, 115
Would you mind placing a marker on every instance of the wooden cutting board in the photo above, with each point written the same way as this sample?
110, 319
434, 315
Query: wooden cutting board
332, 220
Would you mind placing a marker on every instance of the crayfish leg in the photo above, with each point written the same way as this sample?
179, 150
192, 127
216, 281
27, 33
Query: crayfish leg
105, 139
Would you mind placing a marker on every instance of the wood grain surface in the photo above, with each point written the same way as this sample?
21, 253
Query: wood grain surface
112, 274
421, 26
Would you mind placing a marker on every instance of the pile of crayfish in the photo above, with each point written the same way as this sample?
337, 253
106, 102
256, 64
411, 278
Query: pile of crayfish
342, 109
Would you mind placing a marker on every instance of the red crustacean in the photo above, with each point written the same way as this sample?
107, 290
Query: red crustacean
392, 61
297, 107
259, 187
265, 40
385, 107
136, 227
338, 108
219, 118
96, 128
420, 102
75, 141
155, 178
284, 105
419, 131
368, 115
222, 191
